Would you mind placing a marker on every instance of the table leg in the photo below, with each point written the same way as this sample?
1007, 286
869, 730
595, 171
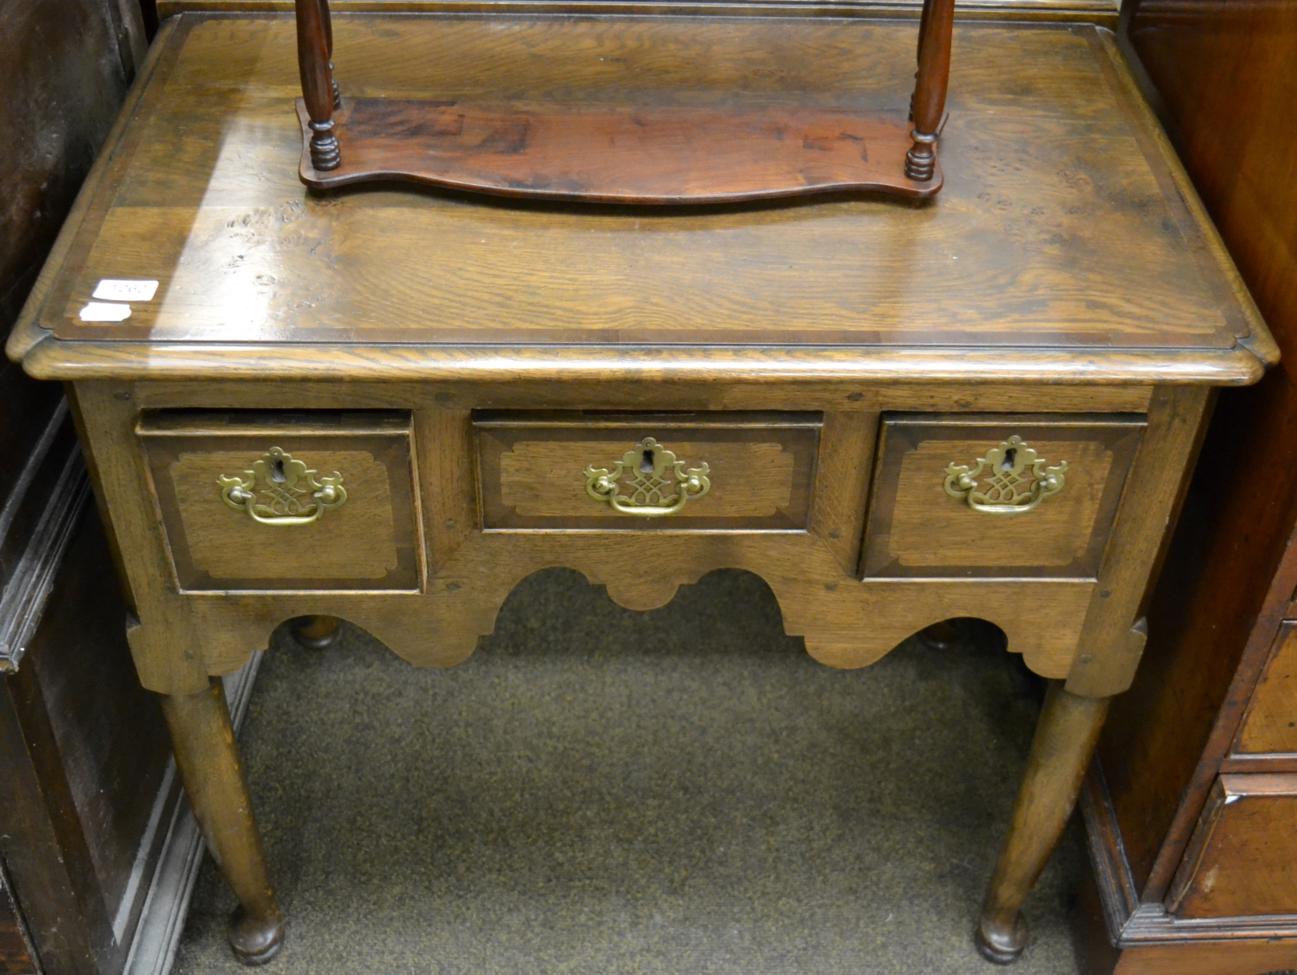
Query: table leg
1060, 753
208, 758
316, 632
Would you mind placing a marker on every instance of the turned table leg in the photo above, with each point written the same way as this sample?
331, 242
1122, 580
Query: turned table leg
1060, 753
208, 758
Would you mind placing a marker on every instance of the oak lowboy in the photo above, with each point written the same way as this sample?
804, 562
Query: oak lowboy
391, 406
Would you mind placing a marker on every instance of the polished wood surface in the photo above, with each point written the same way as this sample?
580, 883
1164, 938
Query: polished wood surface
1220, 73
1270, 725
652, 149
208, 760
1130, 277
1069, 726
1102, 316
1240, 858
1204, 957
1084, 11
1204, 59
369, 542
915, 532
82, 749
646, 154
531, 469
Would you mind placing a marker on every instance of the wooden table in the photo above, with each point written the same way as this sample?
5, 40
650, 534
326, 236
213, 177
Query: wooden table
390, 406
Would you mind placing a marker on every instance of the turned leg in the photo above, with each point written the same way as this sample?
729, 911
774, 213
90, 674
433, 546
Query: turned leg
1060, 753
327, 19
317, 82
208, 759
918, 61
929, 101
316, 632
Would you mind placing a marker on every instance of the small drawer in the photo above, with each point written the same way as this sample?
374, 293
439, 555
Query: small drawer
996, 496
1270, 726
275, 501
1240, 859
696, 472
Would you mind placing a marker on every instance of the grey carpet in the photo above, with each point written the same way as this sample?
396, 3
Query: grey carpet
599, 792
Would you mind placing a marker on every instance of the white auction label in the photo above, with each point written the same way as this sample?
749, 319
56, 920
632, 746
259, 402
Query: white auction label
105, 311
125, 289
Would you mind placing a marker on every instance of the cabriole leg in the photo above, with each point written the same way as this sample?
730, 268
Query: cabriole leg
208, 759
1060, 753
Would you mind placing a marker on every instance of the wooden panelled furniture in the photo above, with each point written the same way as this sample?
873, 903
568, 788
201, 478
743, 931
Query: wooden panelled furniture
83, 757
392, 405
1193, 807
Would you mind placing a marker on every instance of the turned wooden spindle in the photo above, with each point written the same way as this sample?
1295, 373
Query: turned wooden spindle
317, 81
929, 102
327, 18
918, 60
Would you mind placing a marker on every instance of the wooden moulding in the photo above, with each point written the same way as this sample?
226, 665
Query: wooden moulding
634, 151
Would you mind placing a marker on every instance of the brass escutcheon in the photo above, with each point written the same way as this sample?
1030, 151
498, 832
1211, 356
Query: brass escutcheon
280, 490
647, 481
1011, 479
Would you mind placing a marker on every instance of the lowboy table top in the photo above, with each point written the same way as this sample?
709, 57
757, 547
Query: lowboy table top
1065, 243
859, 390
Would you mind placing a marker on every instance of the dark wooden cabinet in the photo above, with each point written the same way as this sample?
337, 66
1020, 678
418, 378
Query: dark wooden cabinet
1192, 807
83, 759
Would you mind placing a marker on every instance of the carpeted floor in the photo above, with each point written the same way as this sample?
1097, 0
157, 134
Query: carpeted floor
604, 792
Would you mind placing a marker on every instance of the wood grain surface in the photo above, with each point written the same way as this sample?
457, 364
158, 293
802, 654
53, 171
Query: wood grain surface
1109, 255
1221, 76
1240, 858
635, 153
369, 542
1104, 291
1270, 724
470, 572
917, 530
531, 470
1094, 11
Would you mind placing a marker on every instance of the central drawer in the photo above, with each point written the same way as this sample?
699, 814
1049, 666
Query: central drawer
646, 471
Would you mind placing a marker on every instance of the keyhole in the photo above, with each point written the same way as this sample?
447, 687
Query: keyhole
277, 471
646, 465
1009, 456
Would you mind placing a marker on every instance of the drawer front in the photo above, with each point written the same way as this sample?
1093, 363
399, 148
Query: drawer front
254, 501
996, 496
1240, 858
1270, 726
694, 472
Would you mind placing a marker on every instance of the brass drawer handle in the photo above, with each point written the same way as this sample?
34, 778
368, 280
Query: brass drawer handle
280, 490
1011, 479
647, 481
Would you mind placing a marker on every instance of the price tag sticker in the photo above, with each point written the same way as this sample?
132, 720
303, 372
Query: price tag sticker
125, 289
105, 311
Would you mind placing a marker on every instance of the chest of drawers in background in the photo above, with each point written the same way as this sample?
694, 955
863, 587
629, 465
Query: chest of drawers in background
1193, 806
